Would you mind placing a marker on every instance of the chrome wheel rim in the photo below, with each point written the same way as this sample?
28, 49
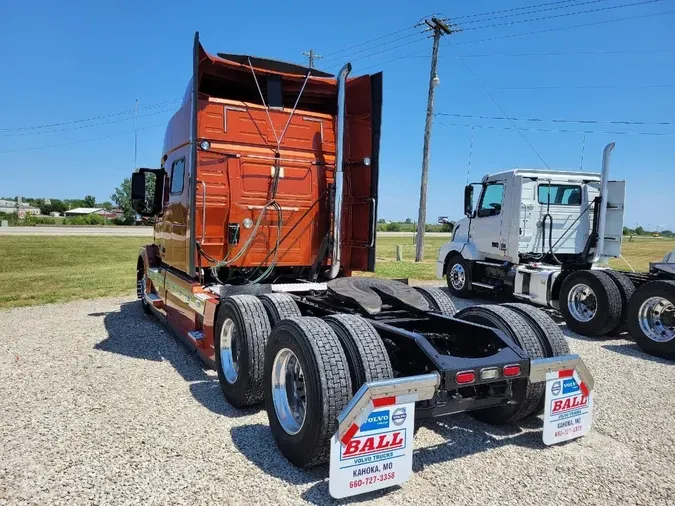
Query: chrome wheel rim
288, 391
229, 351
657, 319
457, 277
582, 303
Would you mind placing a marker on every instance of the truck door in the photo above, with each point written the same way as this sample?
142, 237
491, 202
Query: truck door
363, 112
175, 222
486, 226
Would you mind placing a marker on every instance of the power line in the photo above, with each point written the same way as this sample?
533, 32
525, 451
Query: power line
369, 41
581, 86
130, 111
467, 16
86, 126
557, 29
547, 9
534, 32
494, 100
410, 55
570, 53
343, 57
541, 120
556, 130
421, 39
79, 141
542, 18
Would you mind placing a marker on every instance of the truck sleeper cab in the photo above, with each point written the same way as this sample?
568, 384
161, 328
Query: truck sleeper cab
265, 202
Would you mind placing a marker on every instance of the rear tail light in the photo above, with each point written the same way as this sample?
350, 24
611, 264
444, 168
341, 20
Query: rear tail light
465, 377
511, 370
489, 374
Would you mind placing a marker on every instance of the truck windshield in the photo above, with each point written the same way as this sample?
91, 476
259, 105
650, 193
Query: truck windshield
560, 194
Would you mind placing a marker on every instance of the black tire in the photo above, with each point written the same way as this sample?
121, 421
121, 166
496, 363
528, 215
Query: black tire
548, 332
366, 355
328, 387
626, 290
438, 300
527, 395
280, 306
464, 291
607, 300
141, 282
250, 328
140, 289
663, 289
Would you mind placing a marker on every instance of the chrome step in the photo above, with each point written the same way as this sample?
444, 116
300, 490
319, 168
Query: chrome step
483, 285
491, 264
197, 335
154, 300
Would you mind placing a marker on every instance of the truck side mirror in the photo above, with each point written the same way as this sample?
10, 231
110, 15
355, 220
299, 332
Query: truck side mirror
138, 192
468, 201
144, 203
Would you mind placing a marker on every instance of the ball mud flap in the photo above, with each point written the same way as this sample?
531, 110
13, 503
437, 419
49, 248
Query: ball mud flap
373, 446
568, 411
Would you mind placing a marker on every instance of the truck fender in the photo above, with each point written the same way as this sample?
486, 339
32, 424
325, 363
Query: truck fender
148, 256
467, 250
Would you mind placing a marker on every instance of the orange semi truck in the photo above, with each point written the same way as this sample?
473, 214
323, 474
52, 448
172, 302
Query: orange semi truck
264, 204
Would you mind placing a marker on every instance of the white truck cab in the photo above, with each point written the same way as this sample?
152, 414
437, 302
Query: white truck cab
530, 230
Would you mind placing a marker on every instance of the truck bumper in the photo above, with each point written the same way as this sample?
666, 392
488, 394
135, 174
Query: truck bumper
425, 386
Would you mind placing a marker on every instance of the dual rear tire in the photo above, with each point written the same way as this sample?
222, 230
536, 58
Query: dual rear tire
305, 368
538, 335
593, 302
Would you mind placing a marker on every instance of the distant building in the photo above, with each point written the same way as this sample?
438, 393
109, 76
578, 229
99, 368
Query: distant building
10, 207
7, 206
83, 211
55, 214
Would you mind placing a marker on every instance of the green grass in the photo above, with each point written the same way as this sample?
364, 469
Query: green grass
38, 270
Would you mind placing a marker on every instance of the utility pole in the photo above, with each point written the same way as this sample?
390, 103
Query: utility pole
439, 27
135, 136
311, 55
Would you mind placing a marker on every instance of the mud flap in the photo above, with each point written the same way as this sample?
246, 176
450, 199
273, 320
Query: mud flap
373, 446
568, 412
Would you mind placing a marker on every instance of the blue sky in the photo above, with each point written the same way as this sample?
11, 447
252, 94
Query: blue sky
66, 61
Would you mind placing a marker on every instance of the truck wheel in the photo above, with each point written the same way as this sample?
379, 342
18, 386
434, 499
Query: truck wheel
549, 334
527, 395
279, 306
438, 300
458, 274
141, 286
626, 290
307, 385
366, 355
241, 331
651, 318
590, 303
140, 289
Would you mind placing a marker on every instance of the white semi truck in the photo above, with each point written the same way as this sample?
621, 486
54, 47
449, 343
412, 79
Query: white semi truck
546, 236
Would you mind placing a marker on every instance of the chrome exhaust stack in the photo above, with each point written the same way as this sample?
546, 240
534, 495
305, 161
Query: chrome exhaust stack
339, 175
602, 221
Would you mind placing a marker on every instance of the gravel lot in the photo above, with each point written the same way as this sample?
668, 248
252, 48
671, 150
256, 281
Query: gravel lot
100, 404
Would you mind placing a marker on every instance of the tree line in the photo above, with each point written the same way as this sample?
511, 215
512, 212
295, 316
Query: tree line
641, 231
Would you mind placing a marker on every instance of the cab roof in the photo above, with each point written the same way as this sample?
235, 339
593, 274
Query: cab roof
554, 175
